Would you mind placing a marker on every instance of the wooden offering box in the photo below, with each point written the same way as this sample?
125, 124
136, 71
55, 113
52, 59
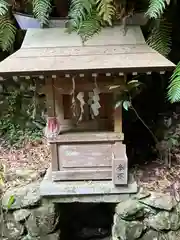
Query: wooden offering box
84, 129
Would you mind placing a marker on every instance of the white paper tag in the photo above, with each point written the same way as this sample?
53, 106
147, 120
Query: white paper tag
97, 104
95, 109
96, 98
96, 91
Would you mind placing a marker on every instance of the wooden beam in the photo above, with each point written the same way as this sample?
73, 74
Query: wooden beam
66, 175
92, 137
50, 98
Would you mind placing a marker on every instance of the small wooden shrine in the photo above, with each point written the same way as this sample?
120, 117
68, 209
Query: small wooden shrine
84, 129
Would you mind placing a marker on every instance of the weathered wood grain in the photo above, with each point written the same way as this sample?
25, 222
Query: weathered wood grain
85, 155
85, 137
84, 174
54, 157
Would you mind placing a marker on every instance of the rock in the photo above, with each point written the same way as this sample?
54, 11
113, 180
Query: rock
171, 235
160, 201
26, 196
53, 236
150, 235
164, 221
134, 230
142, 194
126, 230
106, 238
27, 174
42, 220
130, 209
20, 215
11, 229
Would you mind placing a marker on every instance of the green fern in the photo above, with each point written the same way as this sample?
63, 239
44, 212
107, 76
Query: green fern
160, 37
156, 8
7, 33
90, 26
41, 10
80, 10
174, 86
3, 7
106, 10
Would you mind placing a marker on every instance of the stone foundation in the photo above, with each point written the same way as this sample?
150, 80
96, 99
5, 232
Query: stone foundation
147, 216
144, 216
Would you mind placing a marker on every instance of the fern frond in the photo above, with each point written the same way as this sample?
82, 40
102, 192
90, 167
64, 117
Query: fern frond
80, 10
3, 7
41, 10
174, 86
156, 8
160, 37
90, 26
106, 10
7, 33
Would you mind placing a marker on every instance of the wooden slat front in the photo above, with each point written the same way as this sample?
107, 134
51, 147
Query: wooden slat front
82, 175
85, 155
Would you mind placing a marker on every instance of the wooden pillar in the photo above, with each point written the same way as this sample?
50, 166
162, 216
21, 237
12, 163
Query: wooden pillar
50, 97
50, 101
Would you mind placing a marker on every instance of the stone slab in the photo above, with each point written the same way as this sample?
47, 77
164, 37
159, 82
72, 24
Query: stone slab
85, 191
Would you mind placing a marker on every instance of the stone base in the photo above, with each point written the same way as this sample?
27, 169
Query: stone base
85, 191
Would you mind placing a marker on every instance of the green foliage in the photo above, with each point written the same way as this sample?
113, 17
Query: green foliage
156, 8
3, 7
21, 118
87, 17
174, 86
160, 37
131, 89
80, 11
41, 10
7, 33
106, 10
13, 134
90, 26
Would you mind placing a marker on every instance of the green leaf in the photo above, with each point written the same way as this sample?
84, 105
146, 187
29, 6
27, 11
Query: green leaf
160, 37
7, 33
89, 27
133, 81
174, 86
118, 104
156, 8
10, 202
80, 11
3, 7
106, 10
41, 10
126, 105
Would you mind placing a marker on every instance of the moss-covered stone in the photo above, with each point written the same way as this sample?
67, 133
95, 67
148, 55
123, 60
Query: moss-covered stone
130, 209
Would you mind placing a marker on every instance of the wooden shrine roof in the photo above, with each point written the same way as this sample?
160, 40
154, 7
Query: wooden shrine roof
52, 51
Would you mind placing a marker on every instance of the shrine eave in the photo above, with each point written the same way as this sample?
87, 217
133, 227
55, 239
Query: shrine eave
61, 53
